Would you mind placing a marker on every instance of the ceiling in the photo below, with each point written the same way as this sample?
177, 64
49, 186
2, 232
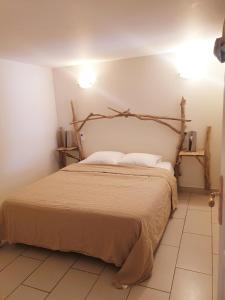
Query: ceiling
64, 32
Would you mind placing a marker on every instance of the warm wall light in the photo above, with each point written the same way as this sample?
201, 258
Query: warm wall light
192, 59
87, 77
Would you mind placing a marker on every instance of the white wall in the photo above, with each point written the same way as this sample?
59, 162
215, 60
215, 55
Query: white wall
146, 85
27, 125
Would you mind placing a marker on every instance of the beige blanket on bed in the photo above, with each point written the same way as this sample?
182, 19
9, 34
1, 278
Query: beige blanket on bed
114, 213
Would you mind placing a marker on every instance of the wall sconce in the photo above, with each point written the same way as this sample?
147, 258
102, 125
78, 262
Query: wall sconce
87, 77
192, 59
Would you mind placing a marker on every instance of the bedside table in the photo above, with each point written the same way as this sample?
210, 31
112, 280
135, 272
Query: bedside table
67, 152
203, 157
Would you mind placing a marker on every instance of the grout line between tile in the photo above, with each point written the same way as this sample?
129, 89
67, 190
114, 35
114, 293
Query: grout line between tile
200, 210
93, 285
129, 293
207, 235
42, 260
97, 274
164, 244
178, 218
10, 262
194, 271
27, 285
152, 288
23, 282
24, 279
55, 285
188, 208
212, 251
39, 259
179, 245
203, 235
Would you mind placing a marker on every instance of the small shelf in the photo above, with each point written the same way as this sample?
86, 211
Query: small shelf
193, 153
65, 152
66, 149
202, 156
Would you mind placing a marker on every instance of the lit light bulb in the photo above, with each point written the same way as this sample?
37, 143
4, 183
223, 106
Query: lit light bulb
87, 78
192, 59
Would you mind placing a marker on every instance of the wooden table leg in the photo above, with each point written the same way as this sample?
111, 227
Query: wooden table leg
207, 172
62, 159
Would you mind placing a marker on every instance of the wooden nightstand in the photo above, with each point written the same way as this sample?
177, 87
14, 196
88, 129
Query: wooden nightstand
203, 157
67, 152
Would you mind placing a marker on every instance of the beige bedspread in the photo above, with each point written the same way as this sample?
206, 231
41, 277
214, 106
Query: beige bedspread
114, 213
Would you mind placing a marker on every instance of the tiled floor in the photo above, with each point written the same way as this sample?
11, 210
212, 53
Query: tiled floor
185, 265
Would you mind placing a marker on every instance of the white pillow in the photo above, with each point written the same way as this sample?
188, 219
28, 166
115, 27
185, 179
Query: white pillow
165, 165
104, 157
140, 159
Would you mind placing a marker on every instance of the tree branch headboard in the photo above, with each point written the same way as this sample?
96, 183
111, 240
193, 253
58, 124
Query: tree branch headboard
79, 124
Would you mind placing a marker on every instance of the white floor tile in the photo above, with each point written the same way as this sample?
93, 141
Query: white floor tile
195, 253
104, 289
181, 211
72, 276
50, 272
163, 269
217, 201
198, 222
89, 264
15, 274
143, 293
8, 253
215, 219
27, 293
183, 196
199, 202
215, 276
190, 285
74, 285
173, 232
215, 231
215, 211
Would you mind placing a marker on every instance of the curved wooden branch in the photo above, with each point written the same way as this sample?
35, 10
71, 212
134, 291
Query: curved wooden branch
92, 117
150, 116
181, 139
77, 135
126, 114
143, 117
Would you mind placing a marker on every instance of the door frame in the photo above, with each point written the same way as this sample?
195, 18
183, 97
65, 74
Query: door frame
221, 266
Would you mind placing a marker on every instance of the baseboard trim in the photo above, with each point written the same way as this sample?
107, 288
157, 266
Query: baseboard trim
196, 190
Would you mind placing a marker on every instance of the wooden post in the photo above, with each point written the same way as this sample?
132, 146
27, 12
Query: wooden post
207, 159
77, 134
181, 138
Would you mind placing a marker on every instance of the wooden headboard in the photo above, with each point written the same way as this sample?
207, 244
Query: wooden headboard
163, 120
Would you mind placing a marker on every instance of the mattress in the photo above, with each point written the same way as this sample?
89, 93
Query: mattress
115, 213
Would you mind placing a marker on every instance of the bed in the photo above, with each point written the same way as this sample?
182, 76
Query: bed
115, 213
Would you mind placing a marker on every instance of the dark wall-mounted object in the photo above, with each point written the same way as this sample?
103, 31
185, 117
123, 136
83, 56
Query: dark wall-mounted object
219, 47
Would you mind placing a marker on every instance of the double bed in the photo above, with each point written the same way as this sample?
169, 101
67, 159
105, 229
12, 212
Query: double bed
112, 212
114, 207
